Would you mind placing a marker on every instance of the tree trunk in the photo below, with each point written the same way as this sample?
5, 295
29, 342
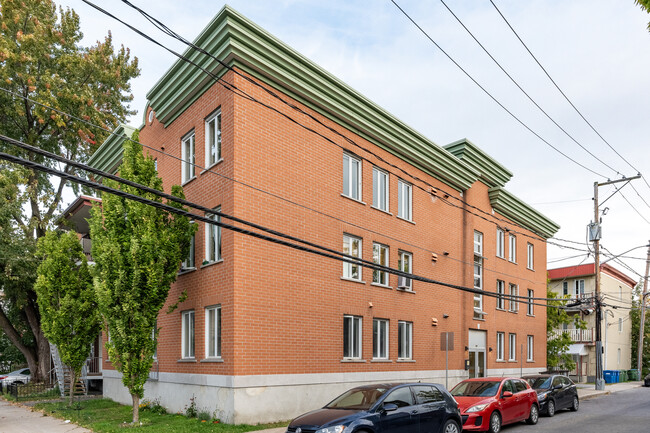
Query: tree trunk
41, 371
136, 409
28, 352
73, 381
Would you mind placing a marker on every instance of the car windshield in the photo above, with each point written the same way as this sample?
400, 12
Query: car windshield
16, 373
476, 389
357, 399
539, 382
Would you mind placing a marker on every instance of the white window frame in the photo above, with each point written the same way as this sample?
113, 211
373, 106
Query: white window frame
578, 288
501, 241
531, 295
512, 248
404, 340
190, 261
501, 292
478, 274
380, 334
530, 348
349, 269
213, 139
501, 341
213, 332
380, 256
355, 334
404, 200
405, 264
530, 256
349, 162
512, 347
514, 302
380, 189
213, 238
188, 156
188, 337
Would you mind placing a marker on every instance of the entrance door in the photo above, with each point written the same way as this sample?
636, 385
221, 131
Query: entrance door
477, 343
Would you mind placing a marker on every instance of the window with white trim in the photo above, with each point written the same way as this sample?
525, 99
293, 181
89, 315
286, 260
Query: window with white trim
405, 264
380, 339
501, 241
529, 351
213, 138
478, 274
380, 189
380, 257
213, 331
213, 238
512, 347
579, 289
512, 248
187, 156
501, 292
187, 333
404, 340
189, 263
500, 346
531, 295
514, 303
351, 177
352, 337
529, 256
352, 247
565, 288
404, 200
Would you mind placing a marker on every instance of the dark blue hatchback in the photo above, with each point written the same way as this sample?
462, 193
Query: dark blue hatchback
385, 408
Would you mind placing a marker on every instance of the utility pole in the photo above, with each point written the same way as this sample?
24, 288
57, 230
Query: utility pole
639, 364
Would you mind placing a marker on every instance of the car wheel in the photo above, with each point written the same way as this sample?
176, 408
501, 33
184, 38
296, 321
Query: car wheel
576, 404
534, 415
495, 422
451, 426
550, 408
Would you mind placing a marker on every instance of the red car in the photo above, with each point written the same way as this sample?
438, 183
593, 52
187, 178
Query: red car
487, 403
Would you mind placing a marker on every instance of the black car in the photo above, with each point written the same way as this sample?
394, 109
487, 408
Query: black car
386, 408
554, 392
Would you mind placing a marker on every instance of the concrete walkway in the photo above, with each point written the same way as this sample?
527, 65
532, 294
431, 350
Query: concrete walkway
16, 418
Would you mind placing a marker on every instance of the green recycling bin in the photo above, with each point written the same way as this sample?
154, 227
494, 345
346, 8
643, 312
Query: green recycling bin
633, 374
623, 376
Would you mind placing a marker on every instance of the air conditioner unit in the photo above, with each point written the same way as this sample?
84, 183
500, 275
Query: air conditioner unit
403, 283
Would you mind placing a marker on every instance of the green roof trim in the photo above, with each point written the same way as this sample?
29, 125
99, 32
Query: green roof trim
491, 172
108, 156
521, 213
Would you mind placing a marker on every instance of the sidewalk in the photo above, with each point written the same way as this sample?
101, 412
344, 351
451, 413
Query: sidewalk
15, 418
587, 391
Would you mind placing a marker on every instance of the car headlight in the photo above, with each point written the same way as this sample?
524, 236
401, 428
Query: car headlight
333, 429
477, 408
542, 396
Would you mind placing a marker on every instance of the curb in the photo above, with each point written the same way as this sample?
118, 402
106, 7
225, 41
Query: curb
592, 396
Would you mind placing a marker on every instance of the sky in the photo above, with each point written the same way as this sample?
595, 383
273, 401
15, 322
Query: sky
597, 51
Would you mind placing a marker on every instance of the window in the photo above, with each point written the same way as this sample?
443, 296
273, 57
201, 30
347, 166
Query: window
188, 263
187, 164
478, 274
404, 339
405, 265
380, 339
153, 338
500, 346
401, 397
529, 256
351, 337
501, 291
213, 332
620, 324
579, 289
514, 304
351, 177
352, 247
519, 385
380, 189
501, 240
512, 343
380, 257
155, 164
618, 356
512, 248
531, 295
565, 288
187, 333
213, 238
404, 200
427, 394
529, 352
213, 139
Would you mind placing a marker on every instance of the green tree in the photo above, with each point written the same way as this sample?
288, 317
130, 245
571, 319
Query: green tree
41, 58
557, 343
137, 249
66, 300
635, 319
645, 5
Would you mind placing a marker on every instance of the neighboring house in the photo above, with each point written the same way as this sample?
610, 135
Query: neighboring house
579, 283
268, 332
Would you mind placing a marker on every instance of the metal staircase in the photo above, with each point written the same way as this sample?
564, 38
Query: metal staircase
63, 374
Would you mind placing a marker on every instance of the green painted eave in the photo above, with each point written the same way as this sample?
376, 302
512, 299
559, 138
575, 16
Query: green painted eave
238, 42
491, 172
521, 213
109, 155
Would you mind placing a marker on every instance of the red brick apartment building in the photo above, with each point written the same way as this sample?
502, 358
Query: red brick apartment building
268, 332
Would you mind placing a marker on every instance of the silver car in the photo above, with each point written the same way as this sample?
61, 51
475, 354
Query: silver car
19, 376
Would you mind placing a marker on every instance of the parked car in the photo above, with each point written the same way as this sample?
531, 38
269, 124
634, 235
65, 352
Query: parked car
487, 403
386, 408
646, 380
19, 376
554, 392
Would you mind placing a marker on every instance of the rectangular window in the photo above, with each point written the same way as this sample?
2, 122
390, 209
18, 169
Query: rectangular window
531, 295
501, 291
351, 177
380, 257
352, 247
188, 263
380, 339
565, 288
500, 346
351, 337
213, 332
187, 334
478, 274
512, 248
187, 156
512, 347
514, 303
529, 352
213, 139
405, 264
579, 289
404, 340
404, 200
529, 257
213, 238
380, 189
501, 240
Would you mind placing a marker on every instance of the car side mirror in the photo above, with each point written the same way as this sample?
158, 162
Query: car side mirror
557, 387
388, 407
506, 394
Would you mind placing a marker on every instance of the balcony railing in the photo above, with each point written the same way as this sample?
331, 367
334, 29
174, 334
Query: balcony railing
86, 243
578, 335
94, 366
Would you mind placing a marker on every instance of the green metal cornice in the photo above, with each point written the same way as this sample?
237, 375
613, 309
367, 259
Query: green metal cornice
491, 172
512, 207
241, 43
109, 155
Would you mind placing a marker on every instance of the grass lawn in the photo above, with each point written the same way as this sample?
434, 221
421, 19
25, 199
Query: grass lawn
103, 415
